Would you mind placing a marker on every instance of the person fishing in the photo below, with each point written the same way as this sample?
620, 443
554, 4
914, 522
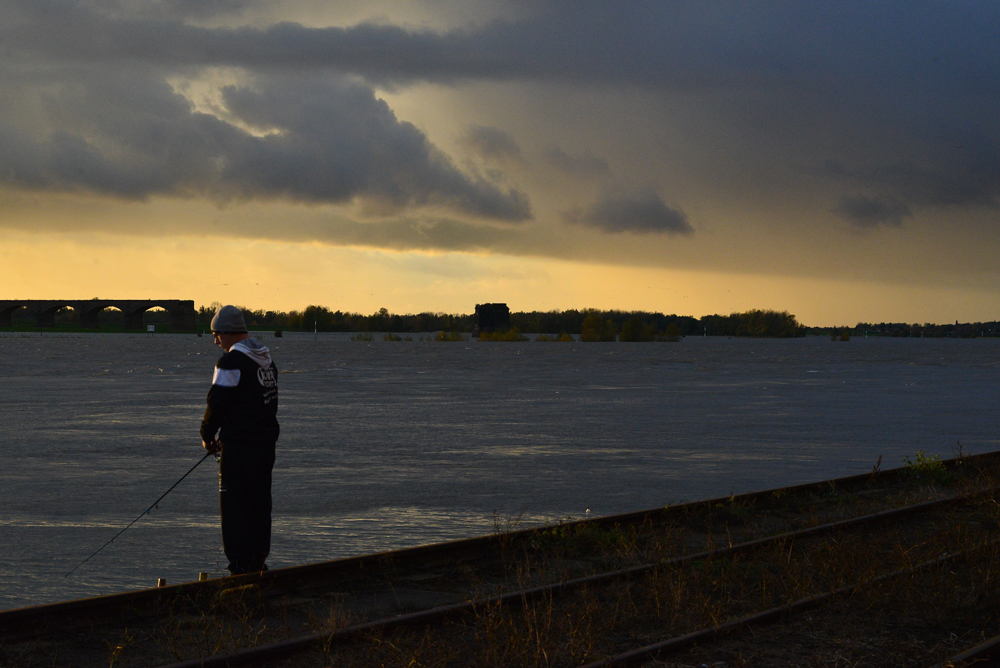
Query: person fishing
241, 424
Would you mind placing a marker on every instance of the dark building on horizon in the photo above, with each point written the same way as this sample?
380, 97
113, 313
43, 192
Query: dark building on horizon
491, 318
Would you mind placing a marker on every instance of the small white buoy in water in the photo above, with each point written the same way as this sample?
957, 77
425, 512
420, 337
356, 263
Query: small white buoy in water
161, 582
587, 511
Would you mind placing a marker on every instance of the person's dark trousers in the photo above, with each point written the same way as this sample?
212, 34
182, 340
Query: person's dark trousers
245, 504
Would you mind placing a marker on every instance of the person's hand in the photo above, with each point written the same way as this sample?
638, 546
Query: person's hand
212, 446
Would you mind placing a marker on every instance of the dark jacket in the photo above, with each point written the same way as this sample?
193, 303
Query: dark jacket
243, 399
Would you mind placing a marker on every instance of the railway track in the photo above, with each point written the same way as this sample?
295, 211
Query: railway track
984, 655
436, 615
316, 579
664, 648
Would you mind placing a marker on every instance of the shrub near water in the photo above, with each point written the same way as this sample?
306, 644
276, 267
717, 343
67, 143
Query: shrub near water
596, 328
767, 323
512, 334
636, 330
562, 338
756, 323
672, 334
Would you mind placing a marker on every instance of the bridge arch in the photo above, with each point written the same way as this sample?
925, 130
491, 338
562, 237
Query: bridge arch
45, 314
91, 310
182, 314
7, 309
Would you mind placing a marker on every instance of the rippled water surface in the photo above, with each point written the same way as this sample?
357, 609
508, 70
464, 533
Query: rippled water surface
392, 444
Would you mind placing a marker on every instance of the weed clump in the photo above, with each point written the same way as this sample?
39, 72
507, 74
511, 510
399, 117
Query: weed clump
734, 510
221, 623
565, 540
450, 336
927, 468
505, 523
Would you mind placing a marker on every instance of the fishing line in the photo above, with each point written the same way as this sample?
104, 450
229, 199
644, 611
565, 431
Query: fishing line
146, 512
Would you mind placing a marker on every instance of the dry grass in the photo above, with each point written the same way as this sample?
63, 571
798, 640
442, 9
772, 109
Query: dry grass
930, 613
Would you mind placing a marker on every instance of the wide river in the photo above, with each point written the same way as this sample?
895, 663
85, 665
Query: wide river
392, 444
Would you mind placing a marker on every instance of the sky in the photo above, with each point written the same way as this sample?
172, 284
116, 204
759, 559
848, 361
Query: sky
838, 160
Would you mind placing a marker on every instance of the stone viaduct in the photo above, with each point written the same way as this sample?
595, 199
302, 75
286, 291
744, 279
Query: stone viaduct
181, 311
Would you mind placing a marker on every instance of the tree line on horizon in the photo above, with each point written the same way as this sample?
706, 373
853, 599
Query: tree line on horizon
595, 324
587, 324
590, 324
966, 330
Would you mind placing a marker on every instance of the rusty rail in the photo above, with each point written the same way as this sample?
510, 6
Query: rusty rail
984, 655
660, 649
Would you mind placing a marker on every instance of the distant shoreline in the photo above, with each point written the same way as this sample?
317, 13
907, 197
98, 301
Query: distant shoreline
587, 324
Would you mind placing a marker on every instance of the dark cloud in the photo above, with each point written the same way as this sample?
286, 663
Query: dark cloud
643, 214
170, 9
949, 183
650, 43
129, 135
644, 43
492, 143
401, 234
447, 235
957, 176
585, 164
860, 71
340, 140
868, 212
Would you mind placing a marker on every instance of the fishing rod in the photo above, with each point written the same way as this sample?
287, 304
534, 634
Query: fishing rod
146, 512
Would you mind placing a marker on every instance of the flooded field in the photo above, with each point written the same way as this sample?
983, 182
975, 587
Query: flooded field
391, 444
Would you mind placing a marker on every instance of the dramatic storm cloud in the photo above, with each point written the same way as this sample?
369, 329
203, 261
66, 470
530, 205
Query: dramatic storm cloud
857, 70
492, 143
642, 214
583, 165
955, 176
872, 211
131, 136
